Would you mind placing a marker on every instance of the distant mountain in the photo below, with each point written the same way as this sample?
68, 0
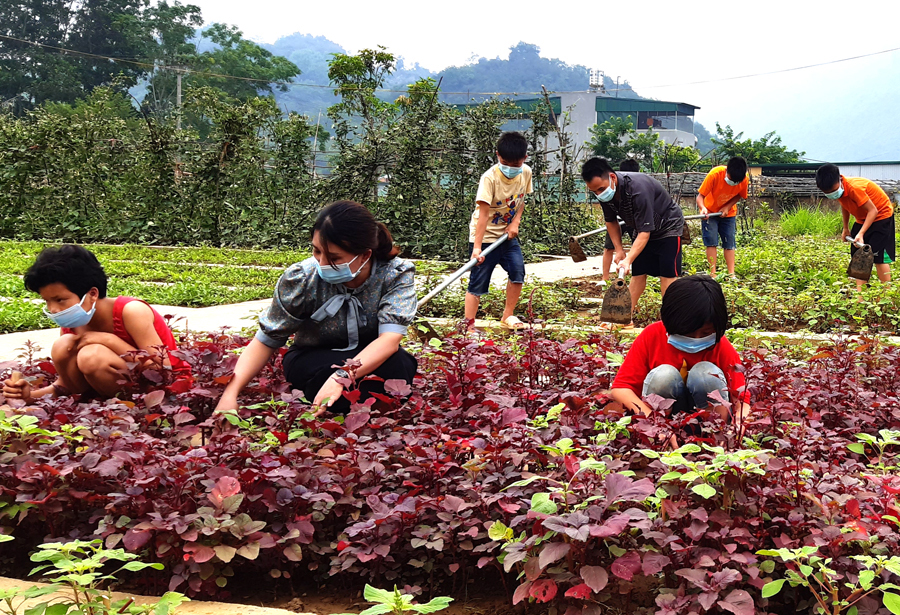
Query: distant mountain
523, 71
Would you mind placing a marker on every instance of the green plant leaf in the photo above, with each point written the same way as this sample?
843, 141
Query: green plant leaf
704, 490
772, 588
437, 604
381, 596
892, 602
378, 609
858, 448
540, 503
497, 531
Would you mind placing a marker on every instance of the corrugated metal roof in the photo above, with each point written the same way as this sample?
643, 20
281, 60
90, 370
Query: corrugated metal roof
605, 104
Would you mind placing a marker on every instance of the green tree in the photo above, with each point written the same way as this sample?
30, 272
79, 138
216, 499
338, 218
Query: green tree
362, 122
616, 139
33, 70
239, 69
766, 150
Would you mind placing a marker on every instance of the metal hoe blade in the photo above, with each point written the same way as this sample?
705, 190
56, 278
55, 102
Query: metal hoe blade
616, 306
575, 251
861, 264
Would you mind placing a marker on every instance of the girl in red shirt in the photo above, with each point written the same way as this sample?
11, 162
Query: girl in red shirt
95, 330
686, 357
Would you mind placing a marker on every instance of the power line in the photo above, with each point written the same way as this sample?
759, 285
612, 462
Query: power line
773, 72
346, 88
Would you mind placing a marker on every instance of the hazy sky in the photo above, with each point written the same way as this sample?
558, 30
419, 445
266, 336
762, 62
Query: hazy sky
650, 43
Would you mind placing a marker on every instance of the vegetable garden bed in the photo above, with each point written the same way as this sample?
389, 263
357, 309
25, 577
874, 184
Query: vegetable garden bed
506, 467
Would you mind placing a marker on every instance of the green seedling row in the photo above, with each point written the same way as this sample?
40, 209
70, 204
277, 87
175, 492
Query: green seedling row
222, 256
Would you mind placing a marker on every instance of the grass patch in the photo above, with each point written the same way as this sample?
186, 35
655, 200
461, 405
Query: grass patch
803, 221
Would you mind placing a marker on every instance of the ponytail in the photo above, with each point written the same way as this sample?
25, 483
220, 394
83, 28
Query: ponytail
385, 249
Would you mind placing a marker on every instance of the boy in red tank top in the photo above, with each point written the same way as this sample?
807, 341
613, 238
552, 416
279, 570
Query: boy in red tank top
95, 330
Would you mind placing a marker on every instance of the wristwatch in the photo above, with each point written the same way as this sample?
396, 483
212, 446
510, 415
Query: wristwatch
341, 373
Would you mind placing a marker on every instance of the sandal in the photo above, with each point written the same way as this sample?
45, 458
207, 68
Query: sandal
513, 324
610, 326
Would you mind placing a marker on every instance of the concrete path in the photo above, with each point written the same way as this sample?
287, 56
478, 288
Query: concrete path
234, 316
194, 607
240, 315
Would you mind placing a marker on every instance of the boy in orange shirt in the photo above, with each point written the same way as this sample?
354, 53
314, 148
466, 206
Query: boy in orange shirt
723, 187
872, 210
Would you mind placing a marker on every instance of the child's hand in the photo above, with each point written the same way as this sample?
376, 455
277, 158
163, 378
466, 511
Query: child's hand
513, 230
476, 253
860, 239
21, 389
704, 211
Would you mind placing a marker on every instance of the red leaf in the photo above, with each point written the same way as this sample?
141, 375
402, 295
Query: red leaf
613, 526
553, 552
135, 540
154, 398
533, 569
543, 591
595, 577
627, 566
510, 507
226, 486
397, 387
200, 553
521, 592
653, 563
182, 385
342, 544
513, 415
738, 602
355, 420
581, 592
708, 599
621, 488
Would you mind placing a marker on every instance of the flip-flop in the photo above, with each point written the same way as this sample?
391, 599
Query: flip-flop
513, 324
611, 326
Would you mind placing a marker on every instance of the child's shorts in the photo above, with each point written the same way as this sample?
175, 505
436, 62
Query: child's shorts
660, 258
881, 236
714, 228
509, 256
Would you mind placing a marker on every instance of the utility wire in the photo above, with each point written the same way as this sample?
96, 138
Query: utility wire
348, 88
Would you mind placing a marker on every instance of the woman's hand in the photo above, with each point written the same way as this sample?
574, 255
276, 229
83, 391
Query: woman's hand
330, 392
227, 402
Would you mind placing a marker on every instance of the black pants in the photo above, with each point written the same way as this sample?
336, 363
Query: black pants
307, 369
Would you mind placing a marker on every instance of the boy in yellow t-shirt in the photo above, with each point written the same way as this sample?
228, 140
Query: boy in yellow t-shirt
723, 187
500, 202
872, 211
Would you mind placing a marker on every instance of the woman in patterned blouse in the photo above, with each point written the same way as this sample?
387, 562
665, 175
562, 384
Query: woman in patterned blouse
354, 299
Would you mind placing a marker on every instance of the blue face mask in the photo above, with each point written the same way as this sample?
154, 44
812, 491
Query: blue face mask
509, 171
729, 182
692, 345
339, 274
837, 193
73, 317
607, 195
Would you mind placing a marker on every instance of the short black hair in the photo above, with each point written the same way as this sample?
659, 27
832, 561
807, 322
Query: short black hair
512, 146
595, 167
827, 176
691, 302
75, 267
630, 164
737, 169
